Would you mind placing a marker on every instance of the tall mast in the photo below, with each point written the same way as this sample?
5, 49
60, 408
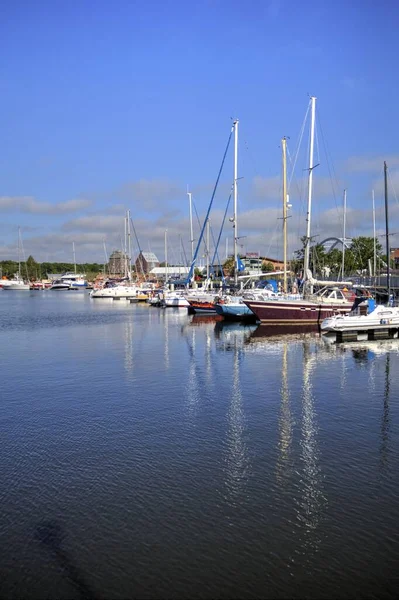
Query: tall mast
284, 153
310, 184
343, 241
74, 257
387, 229
129, 246
374, 239
191, 226
166, 255
125, 248
207, 250
19, 251
105, 257
235, 194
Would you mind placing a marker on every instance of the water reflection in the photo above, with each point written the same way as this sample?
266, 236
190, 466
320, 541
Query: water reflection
385, 414
230, 335
129, 344
285, 424
312, 499
237, 457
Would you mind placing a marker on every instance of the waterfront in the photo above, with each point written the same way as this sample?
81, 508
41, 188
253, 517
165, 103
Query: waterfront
150, 454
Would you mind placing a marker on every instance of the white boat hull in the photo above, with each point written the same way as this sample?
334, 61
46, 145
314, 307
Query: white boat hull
17, 287
382, 317
119, 291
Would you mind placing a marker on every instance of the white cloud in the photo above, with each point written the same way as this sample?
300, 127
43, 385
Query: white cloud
149, 193
371, 163
28, 204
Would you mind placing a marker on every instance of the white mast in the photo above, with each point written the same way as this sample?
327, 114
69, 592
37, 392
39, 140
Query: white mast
310, 184
74, 257
129, 258
125, 249
166, 255
207, 251
374, 238
343, 241
235, 192
191, 226
284, 157
105, 257
19, 252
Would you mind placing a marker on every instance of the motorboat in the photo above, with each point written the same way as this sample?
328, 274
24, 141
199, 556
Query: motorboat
175, 299
382, 317
116, 290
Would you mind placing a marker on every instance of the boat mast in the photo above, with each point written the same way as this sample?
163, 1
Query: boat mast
74, 256
105, 257
235, 193
129, 241
387, 229
207, 252
284, 156
19, 252
191, 224
166, 256
343, 241
374, 239
310, 184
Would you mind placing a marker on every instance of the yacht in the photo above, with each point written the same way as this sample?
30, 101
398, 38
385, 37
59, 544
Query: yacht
116, 290
70, 281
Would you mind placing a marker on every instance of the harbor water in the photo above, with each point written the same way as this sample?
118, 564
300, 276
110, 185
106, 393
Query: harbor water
146, 453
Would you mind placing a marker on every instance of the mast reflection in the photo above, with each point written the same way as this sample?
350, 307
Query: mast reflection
284, 422
237, 455
385, 420
312, 498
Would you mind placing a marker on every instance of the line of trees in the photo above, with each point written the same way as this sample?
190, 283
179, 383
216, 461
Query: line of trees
357, 257
36, 271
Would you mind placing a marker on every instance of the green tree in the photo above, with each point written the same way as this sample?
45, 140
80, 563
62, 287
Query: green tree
32, 268
361, 251
267, 267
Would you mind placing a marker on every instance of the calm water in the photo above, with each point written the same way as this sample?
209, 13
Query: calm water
148, 454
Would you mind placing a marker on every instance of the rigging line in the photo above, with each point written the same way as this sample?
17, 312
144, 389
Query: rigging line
199, 225
184, 253
139, 247
273, 236
299, 143
220, 234
190, 274
391, 184
330, 164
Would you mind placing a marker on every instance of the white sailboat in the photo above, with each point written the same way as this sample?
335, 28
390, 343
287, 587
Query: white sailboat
316, 307
17, 283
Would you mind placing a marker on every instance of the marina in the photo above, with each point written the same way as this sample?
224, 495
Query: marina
259, 462
199, 301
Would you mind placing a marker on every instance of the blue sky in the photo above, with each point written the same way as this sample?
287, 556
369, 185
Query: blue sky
113, 105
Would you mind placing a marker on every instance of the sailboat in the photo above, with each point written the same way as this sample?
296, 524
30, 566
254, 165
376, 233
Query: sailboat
17, 284
314, 308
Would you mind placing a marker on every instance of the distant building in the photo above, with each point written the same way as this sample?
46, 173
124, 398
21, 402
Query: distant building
118, 264
395, 257
253, 263
145, 262
172, 272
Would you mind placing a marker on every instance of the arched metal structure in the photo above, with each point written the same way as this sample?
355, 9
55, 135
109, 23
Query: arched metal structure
337, 242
